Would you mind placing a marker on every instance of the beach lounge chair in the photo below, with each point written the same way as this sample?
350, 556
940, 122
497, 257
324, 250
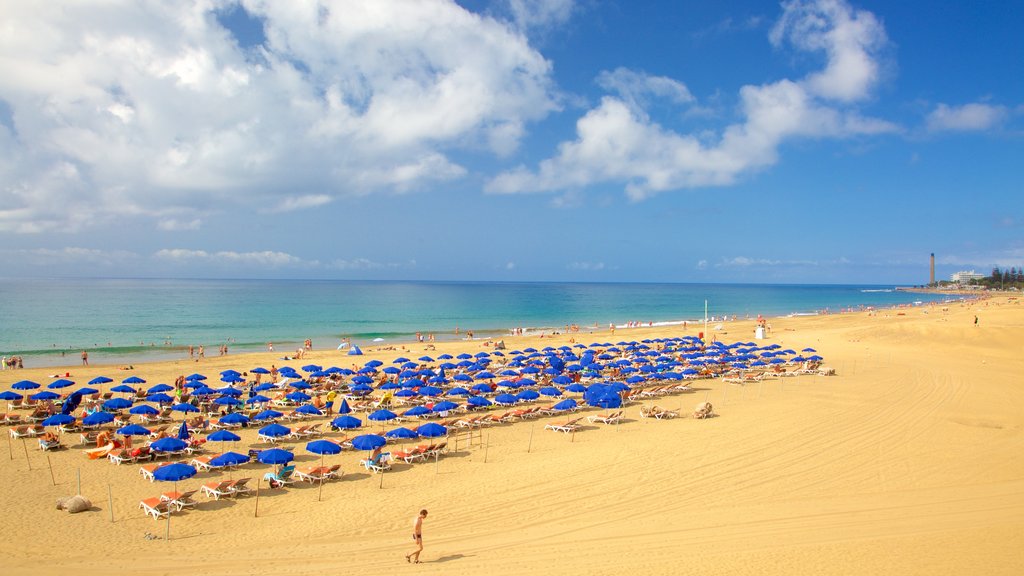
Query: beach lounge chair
88, 438
280, 479
147, 470
240, 487
411, 455
180, 500
156, 507
333, 472
299, 433
218, 489
317, 473
610, 418
309, 473
202, 463
12, 419
26, 431
120, 456
379, 464
570, 425
661, 413
49, 442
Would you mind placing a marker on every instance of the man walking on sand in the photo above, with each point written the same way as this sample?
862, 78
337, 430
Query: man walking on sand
417, 536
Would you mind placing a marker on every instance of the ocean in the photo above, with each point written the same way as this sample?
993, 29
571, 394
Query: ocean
49, 321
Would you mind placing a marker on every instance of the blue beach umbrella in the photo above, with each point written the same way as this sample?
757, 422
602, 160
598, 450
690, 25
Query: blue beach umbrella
223, 436
275, 456
235, 418
174, 472
133, 380
567, 404
323, 447
444, 406
24, 385
550, 391
258, 399
401, 433
99, 380
298, 396
346, 422
417, 411
133, 430
184, 407
97, 418
526, 395
344, 408
124, 389
368, 442
505, 399
432, 430
9, 395
227, 401
45, 395
229, 459
382, 416
478, 401
275, 430
308, 409
160, 397
168, 444
58, 420
143, 410
268, 415
61, 383
159, 388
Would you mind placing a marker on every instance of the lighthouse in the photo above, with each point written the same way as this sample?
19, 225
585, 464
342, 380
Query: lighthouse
931, 273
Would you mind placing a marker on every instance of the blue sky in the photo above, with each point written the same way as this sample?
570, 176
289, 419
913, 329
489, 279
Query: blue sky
523, 140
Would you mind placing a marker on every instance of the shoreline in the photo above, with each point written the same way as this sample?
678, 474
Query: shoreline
142, 354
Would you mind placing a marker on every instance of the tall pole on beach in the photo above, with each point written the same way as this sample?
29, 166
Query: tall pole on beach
705, 320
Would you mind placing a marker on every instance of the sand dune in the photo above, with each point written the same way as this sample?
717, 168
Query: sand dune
906, 462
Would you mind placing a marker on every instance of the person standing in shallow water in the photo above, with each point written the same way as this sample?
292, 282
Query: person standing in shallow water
417, 536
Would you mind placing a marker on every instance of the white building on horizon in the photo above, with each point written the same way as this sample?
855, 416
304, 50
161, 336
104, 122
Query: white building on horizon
964, 276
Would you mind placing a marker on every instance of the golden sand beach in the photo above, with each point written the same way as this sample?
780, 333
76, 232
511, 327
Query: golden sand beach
907, 461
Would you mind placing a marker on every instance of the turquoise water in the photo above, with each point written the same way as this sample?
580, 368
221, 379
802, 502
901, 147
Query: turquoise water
120, 320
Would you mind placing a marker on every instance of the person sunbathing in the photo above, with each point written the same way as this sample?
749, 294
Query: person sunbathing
48, 440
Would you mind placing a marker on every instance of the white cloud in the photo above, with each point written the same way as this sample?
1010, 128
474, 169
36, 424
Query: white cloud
850, 38
367, 264
618, 142
527, 14
634, 88
175, 225
586, 266
266, 258
747, 262
966, 118
302, 202
126, 109
70, 255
